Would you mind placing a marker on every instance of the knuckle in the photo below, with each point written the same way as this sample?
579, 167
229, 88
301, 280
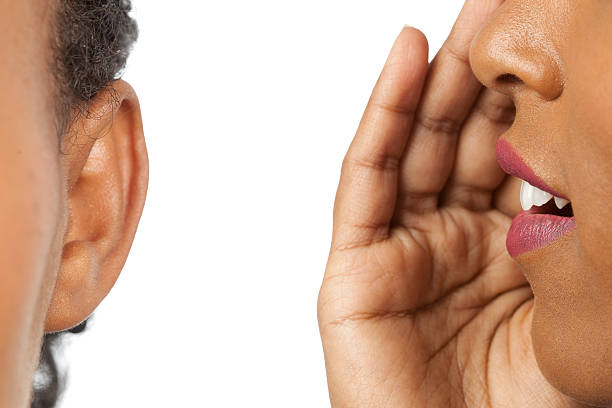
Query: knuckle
452, 52
497, 112
394, 108
375, 162
439, 123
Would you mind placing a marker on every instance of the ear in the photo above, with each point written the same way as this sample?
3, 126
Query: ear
106, 172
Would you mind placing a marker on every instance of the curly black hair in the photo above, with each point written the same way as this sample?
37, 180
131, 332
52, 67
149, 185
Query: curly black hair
49, 381
92, 41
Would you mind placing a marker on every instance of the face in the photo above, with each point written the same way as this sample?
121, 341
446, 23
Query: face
554, 59
30, 206
68, 219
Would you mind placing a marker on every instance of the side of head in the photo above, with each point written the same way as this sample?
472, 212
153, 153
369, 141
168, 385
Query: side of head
74, 171
554, 60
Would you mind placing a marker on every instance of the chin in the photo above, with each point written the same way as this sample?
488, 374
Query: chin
573, 353
572, 317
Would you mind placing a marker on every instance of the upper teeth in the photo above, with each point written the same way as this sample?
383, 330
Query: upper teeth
531, 196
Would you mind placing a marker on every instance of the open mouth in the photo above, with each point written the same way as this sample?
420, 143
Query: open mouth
536, 201
546, 215
551, 208
544, 219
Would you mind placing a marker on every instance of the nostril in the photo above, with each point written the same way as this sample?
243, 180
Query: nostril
508, 79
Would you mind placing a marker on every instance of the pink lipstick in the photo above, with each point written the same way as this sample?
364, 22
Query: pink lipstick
532, 231
540, 225
513, 164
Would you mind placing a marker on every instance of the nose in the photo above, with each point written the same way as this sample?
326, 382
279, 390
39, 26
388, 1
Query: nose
513, 53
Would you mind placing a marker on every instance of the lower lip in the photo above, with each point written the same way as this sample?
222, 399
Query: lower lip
532, 231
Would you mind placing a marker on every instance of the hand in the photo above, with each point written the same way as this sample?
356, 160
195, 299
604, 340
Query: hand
421, 306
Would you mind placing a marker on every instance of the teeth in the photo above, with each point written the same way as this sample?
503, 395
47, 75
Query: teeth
526, 195
561, 202
531, 196
540, 197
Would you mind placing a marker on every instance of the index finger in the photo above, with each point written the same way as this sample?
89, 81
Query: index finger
366, 195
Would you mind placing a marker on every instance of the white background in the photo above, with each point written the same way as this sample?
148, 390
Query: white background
249, 107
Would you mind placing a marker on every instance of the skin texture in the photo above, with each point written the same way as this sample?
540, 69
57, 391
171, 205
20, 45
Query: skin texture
70, 206
563, 102
421, 305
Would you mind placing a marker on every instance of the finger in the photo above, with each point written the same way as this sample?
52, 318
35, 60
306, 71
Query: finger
366, 195
506, 196
476, 173
450, 91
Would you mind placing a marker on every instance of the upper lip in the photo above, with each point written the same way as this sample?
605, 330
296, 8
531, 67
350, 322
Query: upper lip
513, 164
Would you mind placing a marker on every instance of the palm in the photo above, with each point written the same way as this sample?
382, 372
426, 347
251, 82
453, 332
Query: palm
421, 305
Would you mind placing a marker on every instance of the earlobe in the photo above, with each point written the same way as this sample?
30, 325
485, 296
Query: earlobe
105, 165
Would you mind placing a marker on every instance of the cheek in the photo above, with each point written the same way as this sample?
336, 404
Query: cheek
572, 323
30, 214
588, 151
589, 170
31, 210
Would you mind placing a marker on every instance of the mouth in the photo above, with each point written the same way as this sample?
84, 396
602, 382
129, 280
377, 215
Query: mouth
546, 216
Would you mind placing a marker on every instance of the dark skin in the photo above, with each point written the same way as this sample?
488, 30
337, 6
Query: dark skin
71, 205
421, 304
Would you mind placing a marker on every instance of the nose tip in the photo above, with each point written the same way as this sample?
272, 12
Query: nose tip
513, 57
